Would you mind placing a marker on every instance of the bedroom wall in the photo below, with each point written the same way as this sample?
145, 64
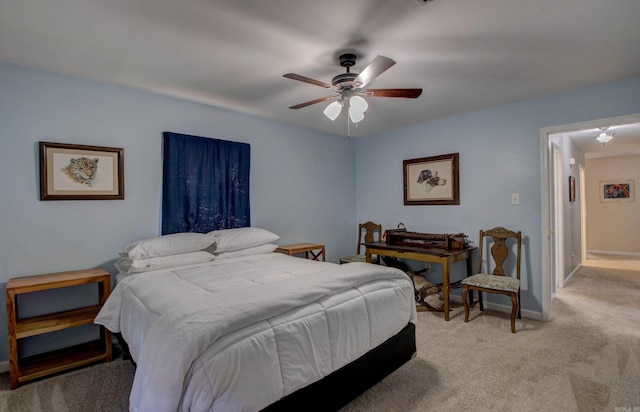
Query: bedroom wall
302, 182
499, 155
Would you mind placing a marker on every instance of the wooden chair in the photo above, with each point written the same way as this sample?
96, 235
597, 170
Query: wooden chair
498, 281
372, 233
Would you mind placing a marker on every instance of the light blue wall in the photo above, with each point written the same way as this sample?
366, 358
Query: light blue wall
499, 155
302, 182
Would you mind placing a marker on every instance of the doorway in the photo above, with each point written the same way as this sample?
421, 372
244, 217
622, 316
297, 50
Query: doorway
551, 242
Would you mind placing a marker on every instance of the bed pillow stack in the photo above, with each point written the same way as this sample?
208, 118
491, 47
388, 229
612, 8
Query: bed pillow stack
244, 241
166, 251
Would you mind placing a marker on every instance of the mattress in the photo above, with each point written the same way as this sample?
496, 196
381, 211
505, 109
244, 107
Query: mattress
240, 334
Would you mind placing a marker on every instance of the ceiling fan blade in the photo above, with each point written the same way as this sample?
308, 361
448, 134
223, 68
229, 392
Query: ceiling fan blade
310, 102
408, 93
377, 66
307, 80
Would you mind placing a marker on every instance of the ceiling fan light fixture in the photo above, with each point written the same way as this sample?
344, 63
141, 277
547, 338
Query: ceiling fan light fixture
358, 103
333, 110
357, 107
356, 116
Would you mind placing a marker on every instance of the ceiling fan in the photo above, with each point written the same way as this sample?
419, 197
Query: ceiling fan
350, 88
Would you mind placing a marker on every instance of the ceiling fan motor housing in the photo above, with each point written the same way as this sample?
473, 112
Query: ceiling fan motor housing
347, 60
343, 81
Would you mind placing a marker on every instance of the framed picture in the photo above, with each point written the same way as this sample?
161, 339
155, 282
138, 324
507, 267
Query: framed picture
432, 180
617, 191
76, 172
572, 189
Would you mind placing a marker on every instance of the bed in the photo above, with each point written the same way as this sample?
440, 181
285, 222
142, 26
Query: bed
257, 330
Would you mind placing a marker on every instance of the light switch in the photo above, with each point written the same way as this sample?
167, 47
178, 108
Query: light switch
515, 198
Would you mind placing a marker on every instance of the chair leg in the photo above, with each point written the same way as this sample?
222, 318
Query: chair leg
480, 300
514, 310
519, 306
465, 291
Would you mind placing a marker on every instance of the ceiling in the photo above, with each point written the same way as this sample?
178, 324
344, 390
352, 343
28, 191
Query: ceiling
466, 55
625, 142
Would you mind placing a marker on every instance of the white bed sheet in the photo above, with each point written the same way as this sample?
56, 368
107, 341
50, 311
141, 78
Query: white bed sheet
241, 333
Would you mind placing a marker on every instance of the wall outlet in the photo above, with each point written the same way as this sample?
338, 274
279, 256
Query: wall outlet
515, 198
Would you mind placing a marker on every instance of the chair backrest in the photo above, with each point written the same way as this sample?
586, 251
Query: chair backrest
499, 249
370, 229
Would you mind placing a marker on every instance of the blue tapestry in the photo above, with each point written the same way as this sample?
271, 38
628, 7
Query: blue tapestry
205, 184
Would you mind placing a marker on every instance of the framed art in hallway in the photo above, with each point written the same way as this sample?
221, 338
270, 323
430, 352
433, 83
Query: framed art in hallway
617, 191
432, 180
78, 172
572, 189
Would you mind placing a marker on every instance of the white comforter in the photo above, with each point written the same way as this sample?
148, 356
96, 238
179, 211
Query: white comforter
239, 334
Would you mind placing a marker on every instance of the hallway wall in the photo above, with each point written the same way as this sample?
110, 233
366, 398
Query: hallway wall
612, 227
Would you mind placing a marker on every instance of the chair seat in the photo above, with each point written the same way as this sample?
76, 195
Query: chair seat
496, 282
354, 258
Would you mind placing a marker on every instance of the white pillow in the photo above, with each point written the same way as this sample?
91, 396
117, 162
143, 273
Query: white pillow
268, 248
229, 240
166, 245
128, 266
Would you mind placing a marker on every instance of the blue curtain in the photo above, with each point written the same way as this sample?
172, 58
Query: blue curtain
205, 184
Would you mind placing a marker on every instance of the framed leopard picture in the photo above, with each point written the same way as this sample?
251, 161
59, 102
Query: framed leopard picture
78, 172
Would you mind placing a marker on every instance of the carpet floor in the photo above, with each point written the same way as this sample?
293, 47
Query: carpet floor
586, 359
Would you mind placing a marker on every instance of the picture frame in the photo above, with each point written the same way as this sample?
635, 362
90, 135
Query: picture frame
617, 191
432, 180
79, 172
572, 189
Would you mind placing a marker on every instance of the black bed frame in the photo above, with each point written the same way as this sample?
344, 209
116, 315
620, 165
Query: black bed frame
347, 383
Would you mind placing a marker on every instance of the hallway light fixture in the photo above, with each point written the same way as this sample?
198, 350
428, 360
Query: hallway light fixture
604, 137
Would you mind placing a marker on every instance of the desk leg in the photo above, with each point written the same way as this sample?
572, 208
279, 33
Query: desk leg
445, 287
469, 273
368, 257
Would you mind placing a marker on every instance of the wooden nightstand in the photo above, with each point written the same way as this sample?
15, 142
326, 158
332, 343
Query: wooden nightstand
32, 367
315, 249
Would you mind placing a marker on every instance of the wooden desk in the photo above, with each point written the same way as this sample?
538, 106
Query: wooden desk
442, 256
304, 247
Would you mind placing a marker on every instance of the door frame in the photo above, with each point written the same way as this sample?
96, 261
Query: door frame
547, 177
583, 214
557, 233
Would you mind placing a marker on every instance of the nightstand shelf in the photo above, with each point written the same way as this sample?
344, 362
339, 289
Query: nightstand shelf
22, 369
44, 364
56, 321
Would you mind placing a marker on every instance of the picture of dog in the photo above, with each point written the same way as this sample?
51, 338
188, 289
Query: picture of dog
430, 180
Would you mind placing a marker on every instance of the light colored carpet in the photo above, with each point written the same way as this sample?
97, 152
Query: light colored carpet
586, 359
102, 387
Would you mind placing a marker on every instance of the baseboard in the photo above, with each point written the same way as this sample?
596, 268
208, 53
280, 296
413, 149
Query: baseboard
608, 252
530, 314
573, 272
4, 366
